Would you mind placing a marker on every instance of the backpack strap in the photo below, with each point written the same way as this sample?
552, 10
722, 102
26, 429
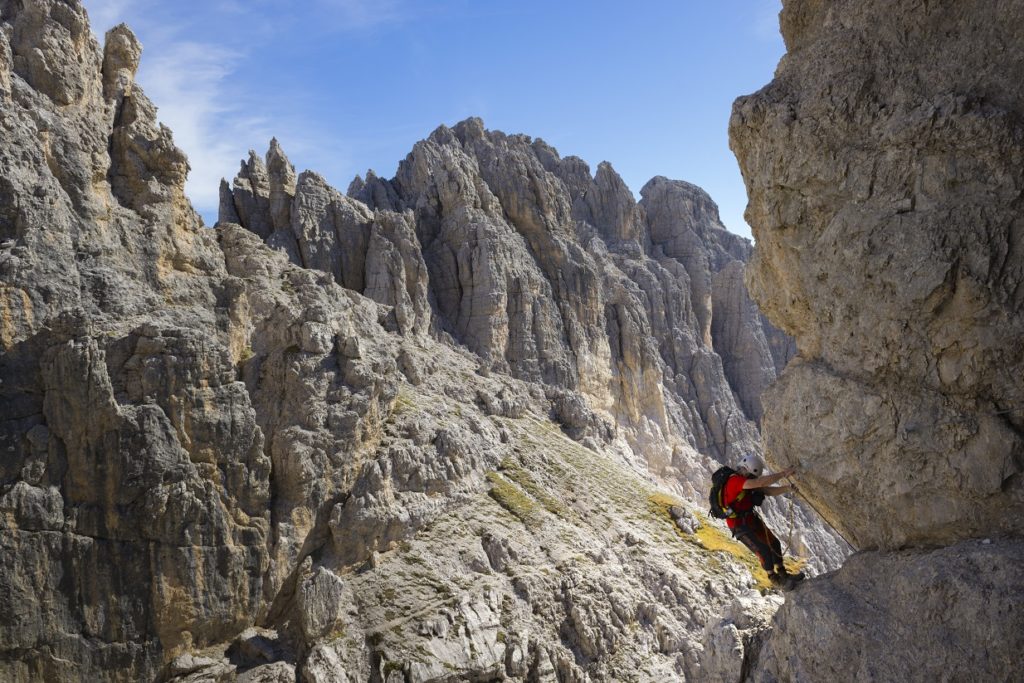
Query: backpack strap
721, 501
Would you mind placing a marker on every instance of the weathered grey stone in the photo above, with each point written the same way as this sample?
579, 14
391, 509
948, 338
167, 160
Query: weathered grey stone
554, 276
277, 672
901, 282
329, 417
733, 644
375, 253
121, 53
947, 614
282, 186
322, 597
326, 665
753, 353
195, 669
250, 197
684, 519
608, 205
396, 273
884, 170
146, 167
51, 49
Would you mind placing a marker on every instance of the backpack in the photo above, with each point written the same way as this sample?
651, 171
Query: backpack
718, 507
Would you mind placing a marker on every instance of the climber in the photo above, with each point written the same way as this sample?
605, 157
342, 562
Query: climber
744, 490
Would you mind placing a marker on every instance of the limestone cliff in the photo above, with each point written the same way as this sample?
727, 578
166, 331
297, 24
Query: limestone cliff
632, 317
884, 171
413, 432
634, 314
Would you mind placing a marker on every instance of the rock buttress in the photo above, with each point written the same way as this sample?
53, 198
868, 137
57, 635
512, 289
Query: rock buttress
884, 172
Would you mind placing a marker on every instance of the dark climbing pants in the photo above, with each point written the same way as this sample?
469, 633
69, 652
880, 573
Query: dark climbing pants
753, 533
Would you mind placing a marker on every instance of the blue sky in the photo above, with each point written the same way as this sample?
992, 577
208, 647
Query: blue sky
347, 85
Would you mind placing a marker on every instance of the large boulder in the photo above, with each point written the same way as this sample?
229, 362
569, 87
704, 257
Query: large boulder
948, 614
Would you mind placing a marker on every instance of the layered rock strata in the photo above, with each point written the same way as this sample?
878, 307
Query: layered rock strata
884, 171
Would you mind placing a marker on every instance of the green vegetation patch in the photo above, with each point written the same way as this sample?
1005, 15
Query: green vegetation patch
713, 540
716, 541
403, 403
520, 476
516, 490
660, 505
572, 463
512, 498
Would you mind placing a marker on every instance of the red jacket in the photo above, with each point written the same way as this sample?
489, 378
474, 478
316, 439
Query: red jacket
744, 507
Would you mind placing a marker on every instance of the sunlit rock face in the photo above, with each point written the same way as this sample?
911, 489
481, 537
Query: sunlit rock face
884, 172
424, 430
135, 482
549, 274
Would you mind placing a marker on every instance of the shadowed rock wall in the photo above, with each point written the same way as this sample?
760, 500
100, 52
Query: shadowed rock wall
884, 171
889, 244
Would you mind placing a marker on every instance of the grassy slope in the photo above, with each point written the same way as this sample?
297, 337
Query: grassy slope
571, 512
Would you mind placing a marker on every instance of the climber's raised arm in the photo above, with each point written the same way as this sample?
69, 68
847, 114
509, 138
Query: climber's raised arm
767, 480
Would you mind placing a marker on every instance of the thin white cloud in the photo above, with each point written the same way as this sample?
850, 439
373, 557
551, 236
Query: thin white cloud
213, 119
766, 20
216, 121
188, 83
214, 109
362, 14
105, 14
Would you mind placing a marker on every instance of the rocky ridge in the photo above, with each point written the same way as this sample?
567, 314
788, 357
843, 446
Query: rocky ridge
632, 317
415, 432
628, 314
883, 166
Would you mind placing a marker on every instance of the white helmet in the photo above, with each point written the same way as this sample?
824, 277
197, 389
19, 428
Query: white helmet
751, 464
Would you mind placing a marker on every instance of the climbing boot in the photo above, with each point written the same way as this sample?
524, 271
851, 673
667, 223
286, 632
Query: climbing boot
789, 581
784, 580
